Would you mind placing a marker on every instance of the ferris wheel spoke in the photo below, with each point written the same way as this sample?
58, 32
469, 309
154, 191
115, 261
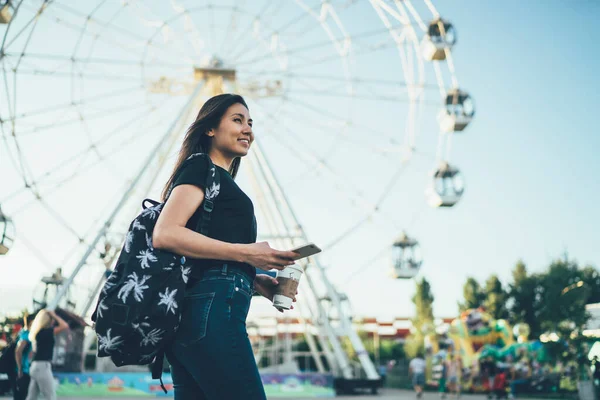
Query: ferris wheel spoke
21, 163
165, 27
350, 139
189, 26
432, 8
56, 73
121, 37
310, 47
363, 267
233, 53
414, 14
59, 218
355, 81
83, 101
92, 116
342, 119
33, 20
336, 179
329, 93
92, 60
325, 59
10, 104
376, 209
37, 253
79, 169
85, 25
346, 234
231, 26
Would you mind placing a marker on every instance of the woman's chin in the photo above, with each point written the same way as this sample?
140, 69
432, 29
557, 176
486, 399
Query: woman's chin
243, 152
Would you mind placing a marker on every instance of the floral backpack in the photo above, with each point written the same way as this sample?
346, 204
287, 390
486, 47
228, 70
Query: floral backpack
138, 311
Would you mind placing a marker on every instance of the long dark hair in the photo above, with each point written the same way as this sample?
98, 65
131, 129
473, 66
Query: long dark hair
196, 139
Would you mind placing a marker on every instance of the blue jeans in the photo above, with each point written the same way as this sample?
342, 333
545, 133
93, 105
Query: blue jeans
211, 357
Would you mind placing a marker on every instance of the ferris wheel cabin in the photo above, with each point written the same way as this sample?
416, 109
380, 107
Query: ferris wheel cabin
406, 257
441, 36
458, 111
7, 233
5, 12
447, 187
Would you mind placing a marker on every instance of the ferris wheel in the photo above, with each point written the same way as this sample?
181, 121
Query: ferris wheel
355, 106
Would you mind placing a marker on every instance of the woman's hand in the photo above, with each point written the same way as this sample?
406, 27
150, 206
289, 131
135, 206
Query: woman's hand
265, 285
262, 256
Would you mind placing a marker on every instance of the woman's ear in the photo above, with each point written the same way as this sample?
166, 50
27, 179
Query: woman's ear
210, 133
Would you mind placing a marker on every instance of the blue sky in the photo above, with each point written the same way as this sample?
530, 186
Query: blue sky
531, 153
528, 159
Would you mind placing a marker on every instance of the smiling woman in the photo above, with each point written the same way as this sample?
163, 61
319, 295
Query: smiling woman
223, 273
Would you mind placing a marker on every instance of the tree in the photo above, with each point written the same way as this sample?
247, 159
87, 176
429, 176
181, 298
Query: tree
473, 295
495, 298
563, 301
423, 301
523, 304
591, 277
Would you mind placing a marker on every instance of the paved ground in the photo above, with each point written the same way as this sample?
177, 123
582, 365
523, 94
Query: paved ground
386, 394
394, 394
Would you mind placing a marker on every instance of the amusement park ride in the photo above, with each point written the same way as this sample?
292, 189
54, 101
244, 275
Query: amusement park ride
432, 42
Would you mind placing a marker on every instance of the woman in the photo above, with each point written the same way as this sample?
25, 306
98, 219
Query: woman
453, 375
211, 356
41, 336
22, 360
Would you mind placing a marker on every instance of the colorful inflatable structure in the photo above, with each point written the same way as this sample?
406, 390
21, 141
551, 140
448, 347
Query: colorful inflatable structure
475, 334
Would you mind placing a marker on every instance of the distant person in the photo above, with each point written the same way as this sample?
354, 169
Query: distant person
488, 371
41, 336
22, 360
596, 365
416, 369
500, 384
442, 383
453, 375
383, 373
522, 377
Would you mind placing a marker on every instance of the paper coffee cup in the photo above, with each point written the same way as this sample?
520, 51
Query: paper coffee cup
285, 291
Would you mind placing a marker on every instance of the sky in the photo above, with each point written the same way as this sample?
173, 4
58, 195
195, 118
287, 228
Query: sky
528, 159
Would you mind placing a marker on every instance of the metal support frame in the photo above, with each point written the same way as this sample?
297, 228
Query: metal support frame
283, 213
170, 136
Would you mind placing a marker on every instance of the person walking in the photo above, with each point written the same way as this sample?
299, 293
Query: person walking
488, 371
41, 336
211, 356
442, 382
416, 368
453, 375
22, 351
596, 376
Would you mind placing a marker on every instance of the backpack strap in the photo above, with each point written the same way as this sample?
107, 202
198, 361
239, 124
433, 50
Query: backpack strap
211, 191
157, 368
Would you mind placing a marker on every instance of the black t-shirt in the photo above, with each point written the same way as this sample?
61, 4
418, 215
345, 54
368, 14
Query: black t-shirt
232, 219
488, 367
45, 345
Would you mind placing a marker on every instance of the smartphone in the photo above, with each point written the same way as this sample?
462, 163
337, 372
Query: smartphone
306, 250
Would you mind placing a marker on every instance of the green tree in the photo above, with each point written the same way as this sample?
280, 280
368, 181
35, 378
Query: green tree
591, 277
495, 298
524, 303
423, 301
562, 300
473, 295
